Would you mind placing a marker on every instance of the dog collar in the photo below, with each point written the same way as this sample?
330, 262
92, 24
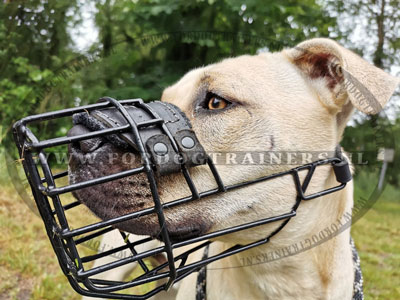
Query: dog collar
358, 294
141, 126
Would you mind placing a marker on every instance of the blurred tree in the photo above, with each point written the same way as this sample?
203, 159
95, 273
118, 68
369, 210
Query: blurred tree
34, 45
40, 71
199, 32
372, 28
146, 45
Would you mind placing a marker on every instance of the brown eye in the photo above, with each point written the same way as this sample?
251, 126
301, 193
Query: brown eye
217, 103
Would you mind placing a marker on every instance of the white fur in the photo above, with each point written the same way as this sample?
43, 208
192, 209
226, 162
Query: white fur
285, 110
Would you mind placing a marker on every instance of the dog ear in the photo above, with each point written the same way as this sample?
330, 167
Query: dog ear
341, 78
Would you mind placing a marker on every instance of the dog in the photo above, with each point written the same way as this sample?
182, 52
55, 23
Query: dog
299, 99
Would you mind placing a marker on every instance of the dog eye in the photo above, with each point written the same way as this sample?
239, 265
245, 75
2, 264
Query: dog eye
216, 102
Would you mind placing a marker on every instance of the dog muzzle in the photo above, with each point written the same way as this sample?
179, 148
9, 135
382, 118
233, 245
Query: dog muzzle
162, 136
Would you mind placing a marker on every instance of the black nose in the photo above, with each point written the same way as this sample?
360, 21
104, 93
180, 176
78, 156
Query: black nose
86, 146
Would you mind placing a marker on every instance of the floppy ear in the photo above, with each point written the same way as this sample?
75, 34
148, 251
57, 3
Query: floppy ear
341, 78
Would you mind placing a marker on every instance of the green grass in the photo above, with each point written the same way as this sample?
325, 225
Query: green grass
29, 269
377, 237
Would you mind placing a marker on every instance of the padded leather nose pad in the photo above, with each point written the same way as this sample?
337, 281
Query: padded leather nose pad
77, 130
163, 128
86, 146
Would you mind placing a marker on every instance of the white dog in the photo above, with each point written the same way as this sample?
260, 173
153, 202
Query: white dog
299, 99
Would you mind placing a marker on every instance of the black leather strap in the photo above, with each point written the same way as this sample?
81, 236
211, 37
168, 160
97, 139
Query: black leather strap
181, 142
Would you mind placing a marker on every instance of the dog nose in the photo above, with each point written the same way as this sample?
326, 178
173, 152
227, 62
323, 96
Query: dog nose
86, 146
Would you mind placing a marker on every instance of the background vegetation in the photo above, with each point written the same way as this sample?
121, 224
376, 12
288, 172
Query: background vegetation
136, 49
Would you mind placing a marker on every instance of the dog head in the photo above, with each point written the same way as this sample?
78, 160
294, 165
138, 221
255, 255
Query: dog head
297, 100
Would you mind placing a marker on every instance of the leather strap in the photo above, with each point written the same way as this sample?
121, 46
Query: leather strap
167, 151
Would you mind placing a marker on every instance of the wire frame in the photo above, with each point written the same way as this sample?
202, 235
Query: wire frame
65, 239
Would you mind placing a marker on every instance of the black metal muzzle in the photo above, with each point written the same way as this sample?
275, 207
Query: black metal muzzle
162, 135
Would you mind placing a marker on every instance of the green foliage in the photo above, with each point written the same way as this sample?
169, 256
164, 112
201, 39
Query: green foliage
146, 45
367, 137
18, 93
40, 71
379, 20
34, 44
139, 60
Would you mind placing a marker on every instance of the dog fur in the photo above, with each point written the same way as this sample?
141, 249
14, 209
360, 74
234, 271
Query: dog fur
299, 99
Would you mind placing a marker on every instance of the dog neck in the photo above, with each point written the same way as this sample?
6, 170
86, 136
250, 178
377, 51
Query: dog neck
293, 266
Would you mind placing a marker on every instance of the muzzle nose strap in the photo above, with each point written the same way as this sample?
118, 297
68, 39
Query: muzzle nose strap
170, 142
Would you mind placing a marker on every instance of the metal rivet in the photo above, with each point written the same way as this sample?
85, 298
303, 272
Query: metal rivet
160, 149
187, 142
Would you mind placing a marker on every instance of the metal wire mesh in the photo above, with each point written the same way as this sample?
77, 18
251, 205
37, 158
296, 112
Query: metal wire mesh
65, 239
